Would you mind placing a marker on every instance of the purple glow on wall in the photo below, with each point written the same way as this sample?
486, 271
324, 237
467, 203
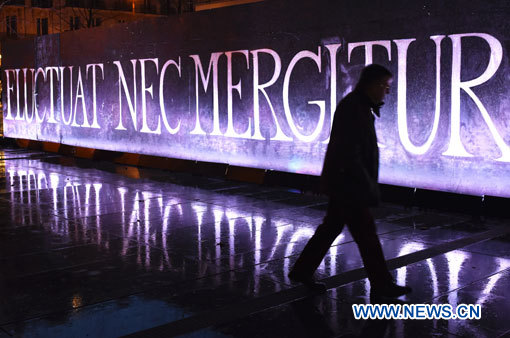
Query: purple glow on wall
267, 100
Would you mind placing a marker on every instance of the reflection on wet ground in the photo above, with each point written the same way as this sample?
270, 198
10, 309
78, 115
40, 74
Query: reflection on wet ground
88, 251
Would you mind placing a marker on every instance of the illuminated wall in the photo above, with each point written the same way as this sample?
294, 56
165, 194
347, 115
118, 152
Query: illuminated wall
257, 86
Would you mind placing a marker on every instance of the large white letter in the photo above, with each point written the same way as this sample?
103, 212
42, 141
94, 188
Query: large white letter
29, 119
368, 49
161, 98
145, 127
18, 111
94, 86
80, 96
9, 90
50, 70
369, 54
122, 81
62, 111
257, 135
34, 95
332, 49
230, 87
403, 132
286, 107
213, 63
25, 94
455, 147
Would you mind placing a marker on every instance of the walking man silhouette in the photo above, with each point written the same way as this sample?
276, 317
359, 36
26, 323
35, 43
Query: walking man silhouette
350, 179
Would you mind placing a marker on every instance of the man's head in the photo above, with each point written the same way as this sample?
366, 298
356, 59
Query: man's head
375, 82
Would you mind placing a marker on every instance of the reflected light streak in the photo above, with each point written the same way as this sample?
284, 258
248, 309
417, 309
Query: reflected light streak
232, 217
11, 180
21, 174
402, 272
66, 186
160, 204
279, 235
134, 221
97, 191
165, 234
30, 174
179, 209
54, 182
77, 204
258, 220
87, 199
147, 229
200, 219
125, 239
455, 260
280, 231
299, 234
218, 215
333, 251
503, 264
231, 241
405, 250
40, 177
122, 193
12, 173
135, 214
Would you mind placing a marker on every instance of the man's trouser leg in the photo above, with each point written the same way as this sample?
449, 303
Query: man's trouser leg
319, 244
361, 225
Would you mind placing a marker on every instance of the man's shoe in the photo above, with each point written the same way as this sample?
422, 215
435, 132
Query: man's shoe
308, 281
390, 290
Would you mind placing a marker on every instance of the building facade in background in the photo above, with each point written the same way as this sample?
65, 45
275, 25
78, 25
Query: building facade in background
28, 18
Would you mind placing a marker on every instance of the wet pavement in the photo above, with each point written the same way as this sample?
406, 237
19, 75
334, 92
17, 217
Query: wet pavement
93, 249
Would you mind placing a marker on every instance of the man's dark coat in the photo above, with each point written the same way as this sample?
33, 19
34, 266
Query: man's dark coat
351, 165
